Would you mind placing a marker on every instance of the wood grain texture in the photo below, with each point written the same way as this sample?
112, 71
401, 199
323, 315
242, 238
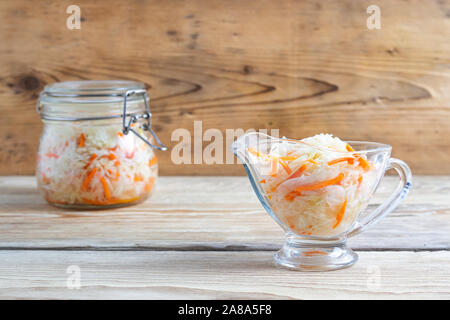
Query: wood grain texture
207, 213
219, 275
301, 66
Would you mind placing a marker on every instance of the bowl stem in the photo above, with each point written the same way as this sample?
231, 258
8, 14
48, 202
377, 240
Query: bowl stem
303, 254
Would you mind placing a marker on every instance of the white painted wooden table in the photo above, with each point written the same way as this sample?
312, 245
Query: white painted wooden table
209, 238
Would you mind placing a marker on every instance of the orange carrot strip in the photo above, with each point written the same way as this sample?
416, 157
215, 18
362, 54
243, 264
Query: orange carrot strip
52, 155
149, 185
320, 185
299, 172
287, 158
138, 177
258, 154
296, 174
112, 156
274, 167
94, 155
292, 195
364, 163
262, 181
360, 179
253, 151
340, 214
153, 161
89, 178
120, 134
348, 159
105, 188
349, 149
312, 161
82, 140
285, 167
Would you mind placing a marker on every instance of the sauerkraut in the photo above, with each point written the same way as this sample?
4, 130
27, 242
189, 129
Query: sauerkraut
94, 165
317, 186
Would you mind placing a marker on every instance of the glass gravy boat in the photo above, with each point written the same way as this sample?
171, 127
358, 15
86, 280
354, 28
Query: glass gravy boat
319, 202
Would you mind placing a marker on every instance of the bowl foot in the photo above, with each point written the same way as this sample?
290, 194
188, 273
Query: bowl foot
307, 255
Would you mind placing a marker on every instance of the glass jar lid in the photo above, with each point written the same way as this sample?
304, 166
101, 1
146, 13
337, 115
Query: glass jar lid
98, 100
89, 91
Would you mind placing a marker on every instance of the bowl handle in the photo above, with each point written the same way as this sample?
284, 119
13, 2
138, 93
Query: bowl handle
392, 202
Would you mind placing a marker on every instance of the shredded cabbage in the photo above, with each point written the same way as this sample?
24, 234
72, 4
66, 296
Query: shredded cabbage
317, 187
94, 165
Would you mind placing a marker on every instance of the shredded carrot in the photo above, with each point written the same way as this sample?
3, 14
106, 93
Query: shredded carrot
105, 188
89, 178
312, 161
287, 158
296, 174
285, 167
112, 156
45, 179
340, 214
262, 181
120, 134
94, 155
138, 177
349, 149
149, 185
52, 155
153, 161
360, 179
320, 185
253, 151
274, 167
292, 195
364, 163
260, 154
82, 140
348, 159
299, 172
117, 163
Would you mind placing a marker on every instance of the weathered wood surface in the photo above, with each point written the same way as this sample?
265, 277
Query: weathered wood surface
301, 66
207, 213
209, 238
219, 275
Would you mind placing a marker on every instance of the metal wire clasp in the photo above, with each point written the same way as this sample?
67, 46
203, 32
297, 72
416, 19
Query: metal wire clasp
133, 118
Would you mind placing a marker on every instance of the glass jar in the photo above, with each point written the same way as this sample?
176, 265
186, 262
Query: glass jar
94, 151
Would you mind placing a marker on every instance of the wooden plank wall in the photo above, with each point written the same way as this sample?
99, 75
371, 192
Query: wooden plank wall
301, 66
